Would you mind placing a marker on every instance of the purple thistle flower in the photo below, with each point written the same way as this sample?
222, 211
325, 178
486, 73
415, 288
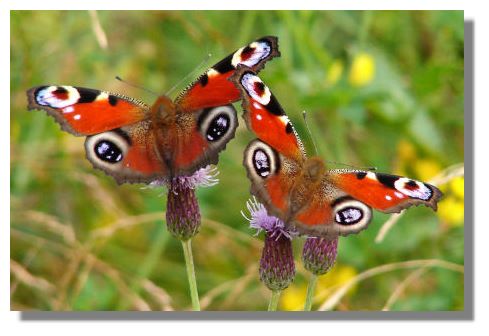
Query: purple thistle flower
262, 221
277, 267
204, 177
182, 209
319, 254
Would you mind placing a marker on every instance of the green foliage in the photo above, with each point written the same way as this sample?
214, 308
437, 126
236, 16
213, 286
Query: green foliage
105, 247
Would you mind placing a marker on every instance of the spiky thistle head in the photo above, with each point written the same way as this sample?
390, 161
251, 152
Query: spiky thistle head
182, 211
277, 267
319, 254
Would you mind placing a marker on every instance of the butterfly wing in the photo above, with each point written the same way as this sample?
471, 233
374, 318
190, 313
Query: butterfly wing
214, 89
127, 153
82, 111
265, 116
275, 160
272, 176
200, 136
342, 205
120, 140
385, 192
330, 212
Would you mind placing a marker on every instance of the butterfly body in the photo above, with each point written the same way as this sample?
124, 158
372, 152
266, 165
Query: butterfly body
137, 143
300, 190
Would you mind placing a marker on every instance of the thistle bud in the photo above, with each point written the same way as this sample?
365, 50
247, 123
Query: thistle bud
277, 267
182, 210
319, 254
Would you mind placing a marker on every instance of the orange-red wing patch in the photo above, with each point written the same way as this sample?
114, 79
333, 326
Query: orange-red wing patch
83, 111
265, 116
273, 130
213, 89
141, 157
100, 116
369, 191
190, 148
384, 192
317, 212
278, 189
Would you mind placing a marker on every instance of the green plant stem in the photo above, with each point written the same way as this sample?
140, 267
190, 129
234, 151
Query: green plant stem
189, 265
272, 305
311, 288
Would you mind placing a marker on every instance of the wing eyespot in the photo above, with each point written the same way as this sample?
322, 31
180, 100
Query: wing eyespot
261, 160
350, 215
218, 124
107, 150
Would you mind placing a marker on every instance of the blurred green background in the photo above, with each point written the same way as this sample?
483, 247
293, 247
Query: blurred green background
382, 89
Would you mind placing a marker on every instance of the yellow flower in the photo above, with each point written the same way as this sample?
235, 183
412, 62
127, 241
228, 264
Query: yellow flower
293, 298
426, 169
339, 275
334, 72
406, 150
451, 211
457, 187
362, 69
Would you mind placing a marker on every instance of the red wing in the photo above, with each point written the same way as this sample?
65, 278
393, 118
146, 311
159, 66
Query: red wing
214, 89
265, 117
198, 137
272, 177
327, 211
384, 192
82, 111
127, 154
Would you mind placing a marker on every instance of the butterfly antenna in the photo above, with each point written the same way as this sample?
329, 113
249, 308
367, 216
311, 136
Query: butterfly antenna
304, 115
191, 73
134, 85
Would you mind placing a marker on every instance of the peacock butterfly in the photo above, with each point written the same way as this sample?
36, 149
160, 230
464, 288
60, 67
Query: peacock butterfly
134, 142
299, 189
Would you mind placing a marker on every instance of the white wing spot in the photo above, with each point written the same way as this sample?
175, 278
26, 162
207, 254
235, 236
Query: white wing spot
387, 197
259, 117
285, 120
212, 73
398, 194
102, 96
68, 109
257, 106
77, 117
371, 176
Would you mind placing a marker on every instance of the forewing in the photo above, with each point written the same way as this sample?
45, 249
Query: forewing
214, 89
385, 192
82, 111
265, 117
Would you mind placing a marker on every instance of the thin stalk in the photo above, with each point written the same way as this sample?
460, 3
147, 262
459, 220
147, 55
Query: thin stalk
311, 288
272, 305
189, 265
